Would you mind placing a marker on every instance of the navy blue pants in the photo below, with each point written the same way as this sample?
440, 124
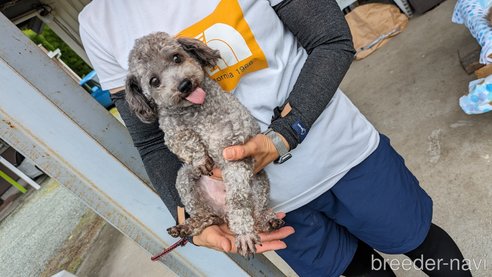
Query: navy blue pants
379, 202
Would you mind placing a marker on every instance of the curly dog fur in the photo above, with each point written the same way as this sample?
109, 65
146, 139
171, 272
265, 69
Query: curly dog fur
164, 72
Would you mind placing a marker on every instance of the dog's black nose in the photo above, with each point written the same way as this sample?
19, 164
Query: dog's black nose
185, 86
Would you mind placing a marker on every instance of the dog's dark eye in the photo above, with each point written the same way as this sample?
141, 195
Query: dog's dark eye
155, 82
177, 58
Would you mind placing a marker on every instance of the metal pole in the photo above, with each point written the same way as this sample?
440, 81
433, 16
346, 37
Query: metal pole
19, 173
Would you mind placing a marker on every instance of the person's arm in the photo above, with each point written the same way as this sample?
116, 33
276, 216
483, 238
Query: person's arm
321, 29
160, 164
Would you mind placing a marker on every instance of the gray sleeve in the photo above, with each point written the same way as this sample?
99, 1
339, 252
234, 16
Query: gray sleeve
159, 162
320, 27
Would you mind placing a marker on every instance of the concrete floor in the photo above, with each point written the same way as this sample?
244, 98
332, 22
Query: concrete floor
115, 255
35, 231
409, 89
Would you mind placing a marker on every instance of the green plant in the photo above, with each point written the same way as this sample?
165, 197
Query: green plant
51, 41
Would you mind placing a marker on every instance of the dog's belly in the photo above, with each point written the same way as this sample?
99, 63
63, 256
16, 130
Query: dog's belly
213, 192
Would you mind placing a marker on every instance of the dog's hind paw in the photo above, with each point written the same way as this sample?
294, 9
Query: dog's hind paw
276, 223
182, 231
246, 244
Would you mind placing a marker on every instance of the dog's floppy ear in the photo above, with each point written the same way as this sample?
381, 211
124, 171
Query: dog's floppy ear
141, 106
204, 54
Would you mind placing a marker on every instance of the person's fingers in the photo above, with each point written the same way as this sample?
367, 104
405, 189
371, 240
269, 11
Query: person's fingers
233, 153
225, 245
239, 152
263, 247
277, 234
220, 244
270, 246
221, 238
280, 215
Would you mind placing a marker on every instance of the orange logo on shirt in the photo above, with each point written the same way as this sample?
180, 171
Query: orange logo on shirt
226, 30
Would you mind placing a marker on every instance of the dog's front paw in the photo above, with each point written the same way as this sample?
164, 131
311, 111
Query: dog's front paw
206, 165
246, 244
183, 231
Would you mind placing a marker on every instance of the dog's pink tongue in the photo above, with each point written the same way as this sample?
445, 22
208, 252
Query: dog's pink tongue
197, 96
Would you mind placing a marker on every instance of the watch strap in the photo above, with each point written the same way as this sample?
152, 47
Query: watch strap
282, 150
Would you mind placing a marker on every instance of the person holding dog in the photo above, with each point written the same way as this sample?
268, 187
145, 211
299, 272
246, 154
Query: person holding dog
341, 188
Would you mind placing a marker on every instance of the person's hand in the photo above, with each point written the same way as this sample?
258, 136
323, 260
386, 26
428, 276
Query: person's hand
220, 238
260, 147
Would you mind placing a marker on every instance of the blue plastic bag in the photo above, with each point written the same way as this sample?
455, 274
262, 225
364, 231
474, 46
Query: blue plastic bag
479, 100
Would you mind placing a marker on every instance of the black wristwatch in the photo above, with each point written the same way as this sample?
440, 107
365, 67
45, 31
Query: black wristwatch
282, 150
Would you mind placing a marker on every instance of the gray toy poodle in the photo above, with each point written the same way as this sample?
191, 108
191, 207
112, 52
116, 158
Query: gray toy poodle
167, 81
